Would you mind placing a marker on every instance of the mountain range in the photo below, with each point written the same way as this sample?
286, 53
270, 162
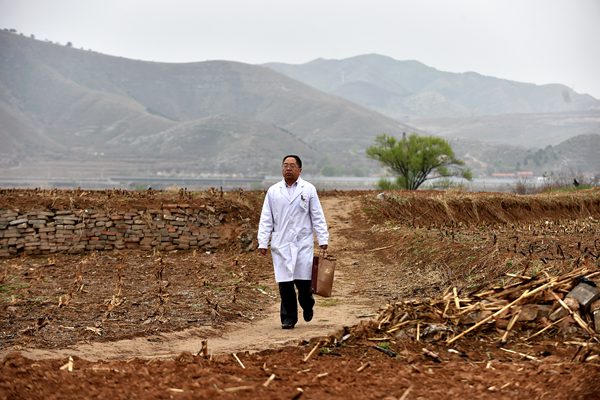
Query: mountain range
61, 106
411, 89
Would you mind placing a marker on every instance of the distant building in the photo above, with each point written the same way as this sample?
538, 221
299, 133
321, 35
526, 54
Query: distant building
518, 174
524, 173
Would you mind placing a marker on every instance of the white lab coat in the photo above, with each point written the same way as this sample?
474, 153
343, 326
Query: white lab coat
289, 222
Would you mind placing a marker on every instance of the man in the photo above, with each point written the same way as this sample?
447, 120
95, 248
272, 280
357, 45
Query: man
290, 213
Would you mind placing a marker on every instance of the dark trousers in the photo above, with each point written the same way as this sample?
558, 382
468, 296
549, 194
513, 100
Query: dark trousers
289, 304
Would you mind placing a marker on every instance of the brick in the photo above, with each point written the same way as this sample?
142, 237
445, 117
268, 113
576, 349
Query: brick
37, 222
63, 212
585, 294
12, 234
66, 221
10, 214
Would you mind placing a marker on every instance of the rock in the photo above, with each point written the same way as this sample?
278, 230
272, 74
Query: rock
560, 312
434, 329
596, 318
568, 326
475, 317
502, 323
544, 311
529, 312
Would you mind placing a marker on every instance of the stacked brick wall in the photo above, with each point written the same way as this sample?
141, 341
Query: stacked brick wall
174, 226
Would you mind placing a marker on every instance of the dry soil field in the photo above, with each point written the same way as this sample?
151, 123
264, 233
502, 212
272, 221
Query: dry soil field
437, 295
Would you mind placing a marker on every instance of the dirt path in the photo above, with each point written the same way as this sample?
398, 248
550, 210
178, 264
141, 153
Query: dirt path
344, 308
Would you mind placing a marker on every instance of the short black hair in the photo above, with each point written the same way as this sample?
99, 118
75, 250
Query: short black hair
298, 160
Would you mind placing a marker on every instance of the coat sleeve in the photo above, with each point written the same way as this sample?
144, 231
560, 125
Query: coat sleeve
265, 226
318, 219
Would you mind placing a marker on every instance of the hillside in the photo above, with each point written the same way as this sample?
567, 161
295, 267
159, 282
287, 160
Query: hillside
230, 117
575, 156
455, 105
526, 130
410, 88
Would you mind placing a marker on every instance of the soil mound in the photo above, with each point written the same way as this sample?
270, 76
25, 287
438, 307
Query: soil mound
431, 208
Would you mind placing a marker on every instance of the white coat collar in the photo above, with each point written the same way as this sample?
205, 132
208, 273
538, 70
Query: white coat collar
299, 190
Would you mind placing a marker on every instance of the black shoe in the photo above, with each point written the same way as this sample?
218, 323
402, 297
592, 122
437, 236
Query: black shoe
287, 325
307, 314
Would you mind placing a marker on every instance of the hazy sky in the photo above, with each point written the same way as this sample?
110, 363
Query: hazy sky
539, 41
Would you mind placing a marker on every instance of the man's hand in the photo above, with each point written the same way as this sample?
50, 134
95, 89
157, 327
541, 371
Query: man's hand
262, 252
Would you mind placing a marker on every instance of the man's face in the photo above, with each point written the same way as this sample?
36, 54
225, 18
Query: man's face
290, 169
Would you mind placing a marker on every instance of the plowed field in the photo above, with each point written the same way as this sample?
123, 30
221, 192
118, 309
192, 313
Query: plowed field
187, 324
